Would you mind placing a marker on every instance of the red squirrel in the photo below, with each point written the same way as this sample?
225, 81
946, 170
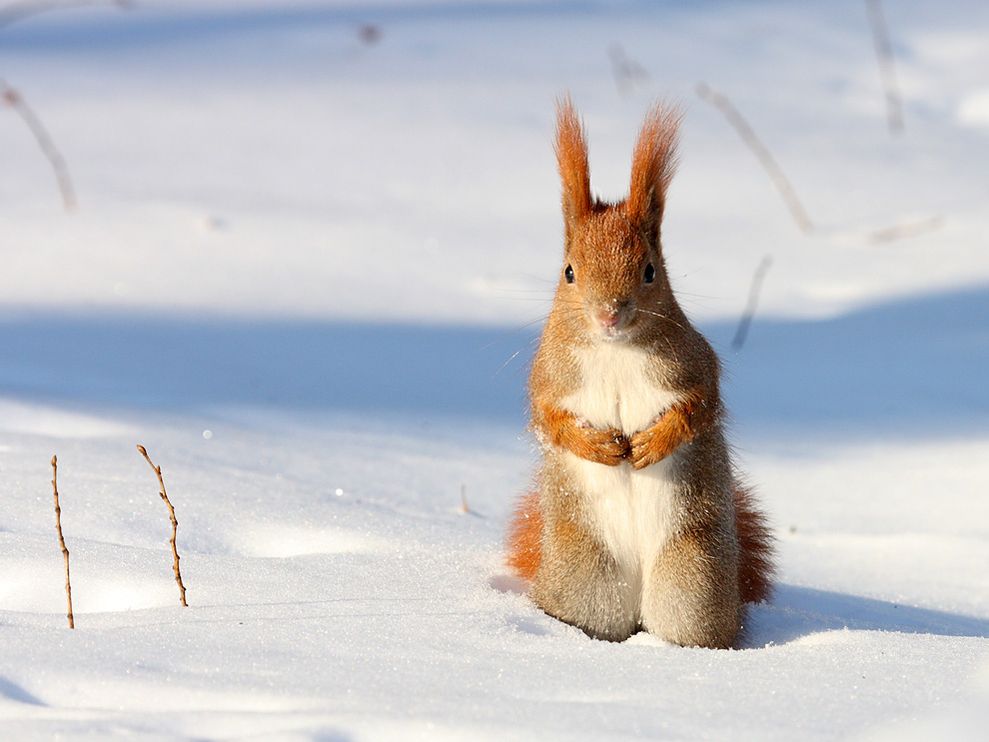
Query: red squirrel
638, 520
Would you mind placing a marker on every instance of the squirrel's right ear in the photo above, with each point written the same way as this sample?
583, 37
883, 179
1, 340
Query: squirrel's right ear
571, 157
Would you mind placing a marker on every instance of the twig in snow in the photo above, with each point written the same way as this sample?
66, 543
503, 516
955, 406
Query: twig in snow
171, 514
61, 542
13, 12
887, 70
626, 71
15, 100
464, 509
762, 153
754, 288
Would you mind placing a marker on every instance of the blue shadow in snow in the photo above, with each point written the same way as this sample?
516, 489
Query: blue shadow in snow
184, 363
911, 367
796, 612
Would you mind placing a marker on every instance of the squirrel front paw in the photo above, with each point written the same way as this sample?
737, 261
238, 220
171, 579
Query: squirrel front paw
655, 443
609, 446
646, 449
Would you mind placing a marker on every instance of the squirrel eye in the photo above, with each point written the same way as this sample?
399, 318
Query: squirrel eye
650, 274
568, 274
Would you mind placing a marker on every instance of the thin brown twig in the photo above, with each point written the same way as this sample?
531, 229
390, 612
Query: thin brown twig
762, 153
905, 230
15, 100
61, 542
887, 69
13, 12
171, 514
754, 289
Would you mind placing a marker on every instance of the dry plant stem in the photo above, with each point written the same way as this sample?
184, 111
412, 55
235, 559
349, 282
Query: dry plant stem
754, 289
887, 70
905, 230
762, 153
61, 542
463, 500
175, 524
15, 100
13, 12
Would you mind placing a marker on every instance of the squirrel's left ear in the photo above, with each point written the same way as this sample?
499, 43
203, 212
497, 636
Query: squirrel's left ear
653, 164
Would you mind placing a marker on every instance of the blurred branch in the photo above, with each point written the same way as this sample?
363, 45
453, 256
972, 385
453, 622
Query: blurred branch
887, 70
626, 71
15, 100
13, 12
369, 34
905, 230
754, 290
762, 153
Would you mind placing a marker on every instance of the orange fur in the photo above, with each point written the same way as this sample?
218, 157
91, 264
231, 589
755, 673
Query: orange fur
677, 426
571, 157
607, 447
755, 564
525, 532
653, 164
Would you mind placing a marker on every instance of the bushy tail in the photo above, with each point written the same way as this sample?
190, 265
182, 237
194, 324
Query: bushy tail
755, 567
755, 563
525, 536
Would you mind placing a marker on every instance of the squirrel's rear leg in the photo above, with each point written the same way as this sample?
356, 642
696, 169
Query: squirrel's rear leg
577, 580
691, 595
580, 584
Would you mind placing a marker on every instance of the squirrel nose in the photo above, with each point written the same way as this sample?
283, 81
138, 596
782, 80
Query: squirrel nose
608, 317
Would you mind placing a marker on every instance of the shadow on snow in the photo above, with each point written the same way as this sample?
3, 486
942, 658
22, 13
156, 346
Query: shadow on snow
912, 367
798, 612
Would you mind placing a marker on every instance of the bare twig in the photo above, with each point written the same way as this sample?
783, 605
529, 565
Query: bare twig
463, 500
15, 100
754, 288
762, 153
61, 542
906, 229
13, 12
175, 524
887, 70
626, 71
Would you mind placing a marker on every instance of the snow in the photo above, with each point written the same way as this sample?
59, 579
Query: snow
307, 273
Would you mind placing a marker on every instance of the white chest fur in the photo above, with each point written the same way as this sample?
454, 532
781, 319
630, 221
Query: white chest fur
633, 512
619, 388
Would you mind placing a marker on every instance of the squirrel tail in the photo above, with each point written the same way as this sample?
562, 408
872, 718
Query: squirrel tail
755, 566
525, 536
755, 541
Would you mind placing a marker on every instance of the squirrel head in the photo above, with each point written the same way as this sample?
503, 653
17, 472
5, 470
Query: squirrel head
614, 285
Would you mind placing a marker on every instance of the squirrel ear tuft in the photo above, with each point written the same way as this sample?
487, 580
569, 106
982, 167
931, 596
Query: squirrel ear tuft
653, 164
571, 157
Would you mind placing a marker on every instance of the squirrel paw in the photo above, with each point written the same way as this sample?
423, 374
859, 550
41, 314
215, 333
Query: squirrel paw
648, 447
608, 447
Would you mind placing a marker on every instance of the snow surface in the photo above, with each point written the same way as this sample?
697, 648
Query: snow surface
307, 274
